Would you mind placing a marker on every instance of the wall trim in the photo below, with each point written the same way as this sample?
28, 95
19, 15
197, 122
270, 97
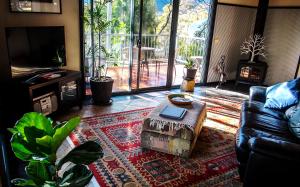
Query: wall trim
270, 7
209, 42
242, 6
284, 7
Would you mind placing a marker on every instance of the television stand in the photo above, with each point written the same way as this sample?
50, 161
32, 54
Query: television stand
42, 77
49, 94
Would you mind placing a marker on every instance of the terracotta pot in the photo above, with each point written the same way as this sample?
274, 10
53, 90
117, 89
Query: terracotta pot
102, 90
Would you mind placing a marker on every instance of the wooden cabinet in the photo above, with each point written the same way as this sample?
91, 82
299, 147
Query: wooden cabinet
50, 95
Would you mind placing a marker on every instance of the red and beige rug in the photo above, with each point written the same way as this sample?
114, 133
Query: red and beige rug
125, 163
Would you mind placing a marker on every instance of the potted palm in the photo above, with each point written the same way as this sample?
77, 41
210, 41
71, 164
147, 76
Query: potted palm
101, 84
191, 68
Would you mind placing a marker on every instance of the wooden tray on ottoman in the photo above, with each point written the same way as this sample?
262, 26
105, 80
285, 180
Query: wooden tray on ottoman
177, 137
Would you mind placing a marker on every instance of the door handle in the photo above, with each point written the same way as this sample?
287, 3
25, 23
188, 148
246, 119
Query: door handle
139, 43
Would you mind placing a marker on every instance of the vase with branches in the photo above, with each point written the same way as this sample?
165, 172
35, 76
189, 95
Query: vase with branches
255, 46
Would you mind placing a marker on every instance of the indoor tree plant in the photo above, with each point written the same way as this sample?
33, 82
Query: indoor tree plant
255, 46
101, 84
36, 139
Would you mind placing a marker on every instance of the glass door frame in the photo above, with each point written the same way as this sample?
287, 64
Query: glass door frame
172, 46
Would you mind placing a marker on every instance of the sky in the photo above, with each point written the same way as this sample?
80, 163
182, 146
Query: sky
160, 4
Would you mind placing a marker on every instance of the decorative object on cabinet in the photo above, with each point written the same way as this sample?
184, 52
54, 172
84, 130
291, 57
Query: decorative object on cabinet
220, 69
255, 46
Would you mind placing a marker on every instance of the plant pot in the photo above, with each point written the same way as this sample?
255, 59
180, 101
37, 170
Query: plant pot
190, 73
101, 90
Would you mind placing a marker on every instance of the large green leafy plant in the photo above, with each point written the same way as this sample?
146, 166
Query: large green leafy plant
36, 140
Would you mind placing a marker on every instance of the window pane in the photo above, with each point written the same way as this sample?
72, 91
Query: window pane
191, 35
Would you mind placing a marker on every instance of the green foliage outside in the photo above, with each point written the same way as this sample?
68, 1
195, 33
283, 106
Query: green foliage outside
99, 24
36, 139
153, 23
187, 49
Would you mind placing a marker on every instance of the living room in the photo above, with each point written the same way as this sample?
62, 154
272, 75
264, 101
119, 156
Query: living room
149, 93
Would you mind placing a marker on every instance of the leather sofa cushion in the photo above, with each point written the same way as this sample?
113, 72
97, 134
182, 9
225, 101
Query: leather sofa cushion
244, 134
259, 124
283, 95
265, 123
258, 107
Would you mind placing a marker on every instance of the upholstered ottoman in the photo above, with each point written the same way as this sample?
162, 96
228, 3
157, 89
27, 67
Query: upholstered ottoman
177, 137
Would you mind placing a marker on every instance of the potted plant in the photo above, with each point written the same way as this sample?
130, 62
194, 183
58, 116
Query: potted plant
36, 139
191, 68
101, 84
255, 46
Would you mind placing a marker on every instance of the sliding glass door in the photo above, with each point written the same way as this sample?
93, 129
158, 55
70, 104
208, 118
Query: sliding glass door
138, 41
152, 47
192, 33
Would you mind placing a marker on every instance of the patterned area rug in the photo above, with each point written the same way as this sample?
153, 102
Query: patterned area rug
125, 163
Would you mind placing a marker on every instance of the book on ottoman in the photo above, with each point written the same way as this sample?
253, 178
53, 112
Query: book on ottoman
173, 112
177, 137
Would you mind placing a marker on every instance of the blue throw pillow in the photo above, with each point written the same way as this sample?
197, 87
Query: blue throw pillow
291, 111
294, 124
283, 95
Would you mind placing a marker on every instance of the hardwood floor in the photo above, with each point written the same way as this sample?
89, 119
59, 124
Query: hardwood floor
138, 101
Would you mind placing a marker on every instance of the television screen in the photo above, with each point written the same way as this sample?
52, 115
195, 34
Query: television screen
35, 49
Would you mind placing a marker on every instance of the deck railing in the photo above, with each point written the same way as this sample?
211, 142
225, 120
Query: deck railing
119, 44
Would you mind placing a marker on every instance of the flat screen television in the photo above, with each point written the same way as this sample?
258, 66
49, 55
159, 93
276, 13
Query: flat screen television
35, 49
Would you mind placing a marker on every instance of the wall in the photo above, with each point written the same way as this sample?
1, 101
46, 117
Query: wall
282, 32
232, 25
69, 18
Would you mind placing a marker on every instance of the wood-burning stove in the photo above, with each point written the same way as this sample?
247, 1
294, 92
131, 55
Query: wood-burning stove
251, 73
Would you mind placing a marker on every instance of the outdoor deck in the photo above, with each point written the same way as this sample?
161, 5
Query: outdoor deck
154, 79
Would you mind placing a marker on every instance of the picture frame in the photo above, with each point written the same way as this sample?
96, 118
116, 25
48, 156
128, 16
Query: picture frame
35, 6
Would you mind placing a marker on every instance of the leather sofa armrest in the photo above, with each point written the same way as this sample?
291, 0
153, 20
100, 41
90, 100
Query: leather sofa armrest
278, 149
258, 93
272, 163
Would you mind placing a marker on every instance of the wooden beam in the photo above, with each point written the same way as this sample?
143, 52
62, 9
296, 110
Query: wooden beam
261, 16
209, 41
172, 45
